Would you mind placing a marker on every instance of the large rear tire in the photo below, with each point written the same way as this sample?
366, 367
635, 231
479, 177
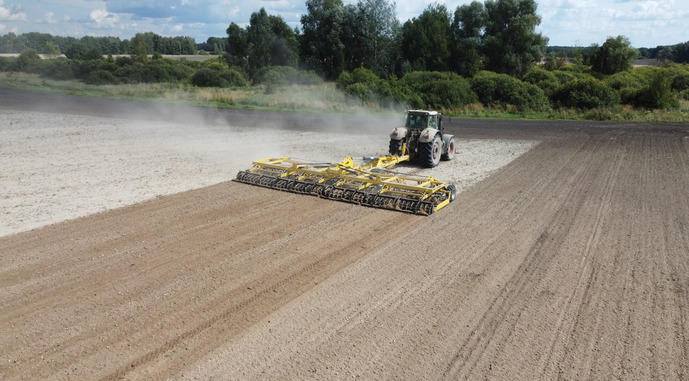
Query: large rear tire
395, 147
450, 154
431, 152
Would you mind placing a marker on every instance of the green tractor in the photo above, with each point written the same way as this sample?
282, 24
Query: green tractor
425, 139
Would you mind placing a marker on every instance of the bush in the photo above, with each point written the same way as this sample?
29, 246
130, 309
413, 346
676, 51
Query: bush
217, 76
679, 77
439, 90
27, 62
627, 84
366, 86
290, 75
658, 94
6, 63
101, 77
585, 94
684, 95
361, 83
503, 90
545, 80
207, 77
61, 69
180, 71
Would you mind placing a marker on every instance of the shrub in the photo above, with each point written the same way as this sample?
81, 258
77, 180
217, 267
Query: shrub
684, 95
217, 76
6, 63
679, 77
291, 76
585, 94
207, 77
27, 62
274, 79
101, 77
503, 90
545, 80
627, 84
658, 93
130, 73
440, 89
180, 71
361, 83
59, 68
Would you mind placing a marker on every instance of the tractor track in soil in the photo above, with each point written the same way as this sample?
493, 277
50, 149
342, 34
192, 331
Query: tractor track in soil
570, 262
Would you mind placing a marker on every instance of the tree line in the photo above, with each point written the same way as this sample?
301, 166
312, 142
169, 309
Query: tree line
498, 35
487, 53
55, 45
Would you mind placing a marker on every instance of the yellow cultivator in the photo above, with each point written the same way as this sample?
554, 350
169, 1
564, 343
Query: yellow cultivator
371, 184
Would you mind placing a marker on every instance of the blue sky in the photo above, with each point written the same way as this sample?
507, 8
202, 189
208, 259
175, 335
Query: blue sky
647, 23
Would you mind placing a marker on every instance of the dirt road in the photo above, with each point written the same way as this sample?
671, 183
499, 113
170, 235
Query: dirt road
570, 262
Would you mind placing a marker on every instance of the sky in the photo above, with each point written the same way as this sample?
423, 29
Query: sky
647, 23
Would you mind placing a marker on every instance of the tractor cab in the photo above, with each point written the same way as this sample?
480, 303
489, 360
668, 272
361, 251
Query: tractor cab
423, 119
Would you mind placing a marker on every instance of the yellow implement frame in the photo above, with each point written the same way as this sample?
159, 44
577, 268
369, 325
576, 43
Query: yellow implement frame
372, 184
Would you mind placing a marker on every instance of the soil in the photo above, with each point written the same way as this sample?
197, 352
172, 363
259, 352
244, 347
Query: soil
127, 252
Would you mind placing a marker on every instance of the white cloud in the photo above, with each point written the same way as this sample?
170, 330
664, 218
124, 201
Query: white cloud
104, 18
7, 14
47, 18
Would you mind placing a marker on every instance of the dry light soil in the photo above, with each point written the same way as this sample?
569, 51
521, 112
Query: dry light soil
126, 251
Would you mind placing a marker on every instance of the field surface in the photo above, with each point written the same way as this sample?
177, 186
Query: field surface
127, 253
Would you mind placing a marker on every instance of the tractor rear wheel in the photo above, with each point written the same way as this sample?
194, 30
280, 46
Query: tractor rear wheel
395, 147
431, 152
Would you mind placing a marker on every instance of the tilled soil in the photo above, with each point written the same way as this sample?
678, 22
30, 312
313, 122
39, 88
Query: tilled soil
570, 262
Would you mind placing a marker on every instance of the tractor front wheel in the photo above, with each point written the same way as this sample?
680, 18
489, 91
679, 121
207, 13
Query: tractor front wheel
450, 151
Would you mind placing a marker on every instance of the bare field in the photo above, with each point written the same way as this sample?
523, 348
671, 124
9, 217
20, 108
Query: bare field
61, 166
565, 256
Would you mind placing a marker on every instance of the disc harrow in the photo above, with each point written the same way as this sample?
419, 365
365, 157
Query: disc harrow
372, 184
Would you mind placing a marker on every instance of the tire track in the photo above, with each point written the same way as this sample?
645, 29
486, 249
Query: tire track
266, 295
505, 308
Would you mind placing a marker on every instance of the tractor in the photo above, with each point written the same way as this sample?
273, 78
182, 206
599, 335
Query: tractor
424, 137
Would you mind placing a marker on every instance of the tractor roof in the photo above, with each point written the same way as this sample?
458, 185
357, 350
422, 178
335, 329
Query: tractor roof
422, 112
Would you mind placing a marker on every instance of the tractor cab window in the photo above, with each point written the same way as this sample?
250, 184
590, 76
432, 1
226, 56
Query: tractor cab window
417, 121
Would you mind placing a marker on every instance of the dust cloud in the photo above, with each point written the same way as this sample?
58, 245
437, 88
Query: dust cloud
64, 159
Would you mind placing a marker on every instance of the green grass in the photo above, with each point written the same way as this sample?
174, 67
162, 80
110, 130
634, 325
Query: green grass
323, 98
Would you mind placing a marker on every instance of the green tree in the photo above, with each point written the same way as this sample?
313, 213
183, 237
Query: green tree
375, 36
284, 44
510, 43
140, 48
237, 46
614, 56
7, 43
51, 50
27, 61
467, 30
77, 51
321, 43
426, 40
269, 42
